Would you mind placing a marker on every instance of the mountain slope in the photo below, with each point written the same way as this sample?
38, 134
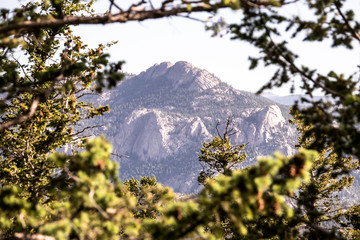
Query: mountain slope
291, 99
160, 118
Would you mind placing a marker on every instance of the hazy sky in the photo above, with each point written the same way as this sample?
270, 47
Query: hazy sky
142, 44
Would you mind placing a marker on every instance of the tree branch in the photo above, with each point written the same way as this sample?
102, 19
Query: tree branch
291, 63
96, 206
86, 128
24, 117
217, 130
122, 17
355, 34
134, 13
119, 155
112, 3
22, 68
33, 106
24, 236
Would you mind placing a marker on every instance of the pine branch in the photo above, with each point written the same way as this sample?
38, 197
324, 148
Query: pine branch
122, 17
33, 106
353, 32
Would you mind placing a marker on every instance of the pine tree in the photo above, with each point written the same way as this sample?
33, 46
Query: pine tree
59, 109
219, 156
78, 195
318, 203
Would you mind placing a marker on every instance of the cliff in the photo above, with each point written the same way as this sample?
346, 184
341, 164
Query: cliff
160, 118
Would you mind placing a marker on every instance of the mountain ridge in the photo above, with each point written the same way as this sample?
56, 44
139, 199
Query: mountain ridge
181, 74
161, 117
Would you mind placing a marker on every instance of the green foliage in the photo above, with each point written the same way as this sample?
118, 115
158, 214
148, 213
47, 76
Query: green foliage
78, 195
150, 196
332, 22
318, 203
219, 156
24, 148
238, 197
353, 217
76, 69
319, 210
88, 201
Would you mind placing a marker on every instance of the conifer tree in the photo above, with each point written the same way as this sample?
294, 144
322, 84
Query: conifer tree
59, 109
318, 203
219, 156
78, 195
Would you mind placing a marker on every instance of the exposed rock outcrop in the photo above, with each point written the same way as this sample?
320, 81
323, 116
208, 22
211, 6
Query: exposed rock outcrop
161, 117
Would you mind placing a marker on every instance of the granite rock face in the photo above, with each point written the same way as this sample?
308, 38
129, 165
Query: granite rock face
160, 118
181, 75
152, 135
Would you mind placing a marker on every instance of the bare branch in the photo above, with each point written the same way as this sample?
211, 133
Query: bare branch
122, 17
229, 131
112, 3
163, 5
136, 6
192, 18
151, 5
217, 130
84, 129
22, 67
96, 206
71, 175
119, 155
86, 94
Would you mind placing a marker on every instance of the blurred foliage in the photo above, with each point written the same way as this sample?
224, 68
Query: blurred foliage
334, 120
89, 202
77, 194
318, 202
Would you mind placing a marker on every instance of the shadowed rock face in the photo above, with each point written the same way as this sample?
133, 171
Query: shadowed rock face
161, 117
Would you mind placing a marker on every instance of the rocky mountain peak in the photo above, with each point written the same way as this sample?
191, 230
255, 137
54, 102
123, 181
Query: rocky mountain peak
161, 117
186, 75
156, 70
181, 75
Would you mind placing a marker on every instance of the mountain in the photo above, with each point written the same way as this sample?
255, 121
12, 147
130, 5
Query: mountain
160, 118
290, 100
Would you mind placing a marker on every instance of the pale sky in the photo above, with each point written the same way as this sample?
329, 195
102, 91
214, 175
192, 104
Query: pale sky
142, 44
